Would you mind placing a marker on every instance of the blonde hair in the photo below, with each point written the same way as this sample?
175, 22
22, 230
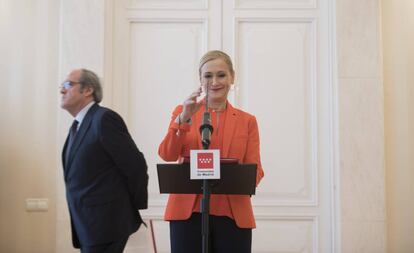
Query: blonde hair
216, 54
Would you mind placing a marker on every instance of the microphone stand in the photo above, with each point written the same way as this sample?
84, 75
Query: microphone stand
206, 129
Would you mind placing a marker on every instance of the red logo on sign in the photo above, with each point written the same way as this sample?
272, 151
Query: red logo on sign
205, 160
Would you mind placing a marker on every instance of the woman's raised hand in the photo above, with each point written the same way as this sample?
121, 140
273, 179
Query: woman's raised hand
191, 106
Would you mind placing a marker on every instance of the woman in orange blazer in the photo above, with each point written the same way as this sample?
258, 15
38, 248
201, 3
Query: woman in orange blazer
236, 135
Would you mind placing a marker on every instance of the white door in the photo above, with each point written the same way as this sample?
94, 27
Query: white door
282, 56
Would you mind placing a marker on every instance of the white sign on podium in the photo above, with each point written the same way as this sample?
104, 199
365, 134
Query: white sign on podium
205, 164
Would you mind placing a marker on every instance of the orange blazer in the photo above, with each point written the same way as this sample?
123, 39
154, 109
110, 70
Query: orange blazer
241, 141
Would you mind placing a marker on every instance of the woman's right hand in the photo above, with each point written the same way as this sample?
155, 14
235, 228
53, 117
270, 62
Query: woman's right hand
191, 106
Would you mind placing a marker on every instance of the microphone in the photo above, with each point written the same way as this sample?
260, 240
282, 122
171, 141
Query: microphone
206, 129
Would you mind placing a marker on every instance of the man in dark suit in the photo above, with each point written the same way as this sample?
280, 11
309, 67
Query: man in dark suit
105, 173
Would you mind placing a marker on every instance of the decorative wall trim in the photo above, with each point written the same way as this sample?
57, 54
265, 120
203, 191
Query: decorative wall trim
168, 5
335, 152
312, 166
275, 4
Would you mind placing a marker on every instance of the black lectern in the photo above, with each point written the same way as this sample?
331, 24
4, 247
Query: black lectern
234, 179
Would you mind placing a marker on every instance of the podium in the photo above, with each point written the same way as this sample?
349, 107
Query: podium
234, 179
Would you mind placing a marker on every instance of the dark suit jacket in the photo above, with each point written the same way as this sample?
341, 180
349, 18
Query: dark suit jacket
106, 180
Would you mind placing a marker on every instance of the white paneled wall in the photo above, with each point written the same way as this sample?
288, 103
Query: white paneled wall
28, 105
361, 126
281, 53
275, 66
147, 53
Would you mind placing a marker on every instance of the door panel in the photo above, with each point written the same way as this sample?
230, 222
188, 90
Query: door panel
281, 57
274, 68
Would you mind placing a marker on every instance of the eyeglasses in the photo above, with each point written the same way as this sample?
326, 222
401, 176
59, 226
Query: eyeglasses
68, 84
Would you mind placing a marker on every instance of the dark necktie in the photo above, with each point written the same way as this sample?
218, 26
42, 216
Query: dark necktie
72, 134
